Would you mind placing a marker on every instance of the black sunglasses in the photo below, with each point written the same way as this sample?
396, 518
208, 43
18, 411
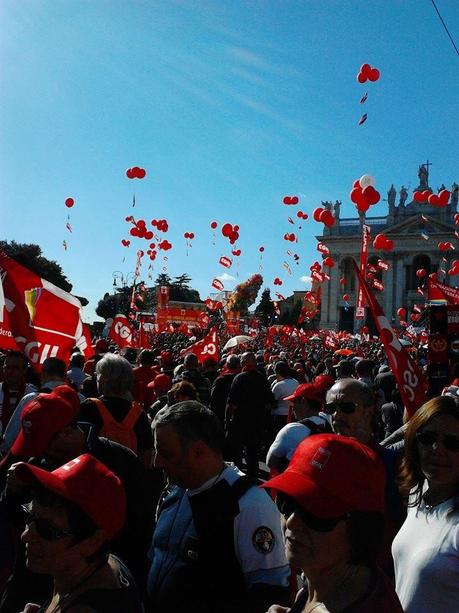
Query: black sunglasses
287, 507
44, 528
428, 438
344, 407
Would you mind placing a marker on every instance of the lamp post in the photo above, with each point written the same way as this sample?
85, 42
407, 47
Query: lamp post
123, 279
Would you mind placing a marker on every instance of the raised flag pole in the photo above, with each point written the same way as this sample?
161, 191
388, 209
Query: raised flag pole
360, 304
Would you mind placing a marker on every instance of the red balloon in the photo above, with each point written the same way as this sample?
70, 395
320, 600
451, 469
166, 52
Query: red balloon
401, 312
371, 195
373, 75
148, 235
317, 213
261, 249
346, 297
214, 225
327, 218
69, 203
418, 197
191, 236
328, 261
433, 276
362, 206
379, 241
356, 194
421, 273
227, 229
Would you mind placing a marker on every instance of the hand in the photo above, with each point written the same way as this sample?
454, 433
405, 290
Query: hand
14, 484
276, 608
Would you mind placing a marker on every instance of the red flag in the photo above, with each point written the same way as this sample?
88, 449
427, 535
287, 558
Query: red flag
217, 284
410, 380
44, 319
121, 332
207, 348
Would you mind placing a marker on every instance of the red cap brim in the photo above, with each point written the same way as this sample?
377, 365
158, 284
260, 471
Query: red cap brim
308, 495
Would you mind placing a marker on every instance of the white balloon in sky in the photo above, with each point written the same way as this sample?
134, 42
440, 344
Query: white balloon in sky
366, 180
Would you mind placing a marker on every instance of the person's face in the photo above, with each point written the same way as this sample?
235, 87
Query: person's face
309, 549
357, 423
14, 371
300, 407
440, 465
47, 542
170, 455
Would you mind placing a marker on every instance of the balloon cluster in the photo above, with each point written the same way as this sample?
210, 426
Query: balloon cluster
445, 246
302, 215
323, 248
125, 242
189, 235
329, 262
160, 224
165, 245
230, 232
245, 294
454, 270
382, 242
367, 73
290, 200
290, 237
236, 252
440, 200
324, 215
363, 193
140, 230
135, 173
277, 281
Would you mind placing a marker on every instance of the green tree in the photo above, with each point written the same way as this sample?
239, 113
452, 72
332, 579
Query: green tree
112, 304
163, 279
265, 308
30, 256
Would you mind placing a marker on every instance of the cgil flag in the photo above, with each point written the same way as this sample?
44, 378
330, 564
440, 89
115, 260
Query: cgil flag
44, 320
410, 380
207, 348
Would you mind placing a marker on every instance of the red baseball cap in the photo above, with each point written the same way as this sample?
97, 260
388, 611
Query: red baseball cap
101, 346
161, 382
89, 484
330, 475
166, 357
324, 382
42, 418
306, 390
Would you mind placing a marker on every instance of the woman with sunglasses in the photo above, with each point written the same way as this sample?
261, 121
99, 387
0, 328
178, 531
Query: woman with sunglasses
74, 512
426, 550
332, 498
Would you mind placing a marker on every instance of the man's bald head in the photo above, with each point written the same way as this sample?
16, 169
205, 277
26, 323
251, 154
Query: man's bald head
248, 359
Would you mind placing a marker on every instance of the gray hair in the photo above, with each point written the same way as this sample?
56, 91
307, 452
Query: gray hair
192, 421
117, 374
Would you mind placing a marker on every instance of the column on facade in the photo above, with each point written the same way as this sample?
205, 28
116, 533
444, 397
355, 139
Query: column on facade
333, 292
389, 288
400, 298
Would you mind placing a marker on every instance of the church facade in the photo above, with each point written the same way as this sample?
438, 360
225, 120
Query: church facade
415, 228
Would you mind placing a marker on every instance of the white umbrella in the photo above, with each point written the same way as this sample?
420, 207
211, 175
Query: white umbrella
237, 340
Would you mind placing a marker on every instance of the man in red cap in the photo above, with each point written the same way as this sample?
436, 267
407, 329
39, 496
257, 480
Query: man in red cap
50, 436
306, 403
75, 510
160, 385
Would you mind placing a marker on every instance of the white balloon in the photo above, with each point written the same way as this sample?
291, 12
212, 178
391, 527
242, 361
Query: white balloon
366, 180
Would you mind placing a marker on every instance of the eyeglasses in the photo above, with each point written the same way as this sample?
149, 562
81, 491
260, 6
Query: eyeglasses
428, 438
287, 507
344, 407
44, 528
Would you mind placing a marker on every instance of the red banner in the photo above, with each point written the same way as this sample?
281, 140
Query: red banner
360, 306
43, 319
442, 294
410, 380
207, 348
121, 332
163, 296
233, 323
165, 316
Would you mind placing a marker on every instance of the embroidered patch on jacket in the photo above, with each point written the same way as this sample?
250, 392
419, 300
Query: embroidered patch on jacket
263, 540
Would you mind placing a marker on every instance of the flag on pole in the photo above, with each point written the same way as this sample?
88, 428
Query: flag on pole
44, 320
410, 380
207, 348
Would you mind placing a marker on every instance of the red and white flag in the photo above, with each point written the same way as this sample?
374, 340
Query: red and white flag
207, 348
44, 320
410, 380
121, 332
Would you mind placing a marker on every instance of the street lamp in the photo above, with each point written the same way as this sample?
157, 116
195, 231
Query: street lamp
124, 280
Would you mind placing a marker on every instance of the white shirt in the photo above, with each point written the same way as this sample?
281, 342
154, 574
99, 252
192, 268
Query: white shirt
288, 438
426, 559
282, 389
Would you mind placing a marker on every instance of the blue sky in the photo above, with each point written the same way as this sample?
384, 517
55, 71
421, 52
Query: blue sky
229, 105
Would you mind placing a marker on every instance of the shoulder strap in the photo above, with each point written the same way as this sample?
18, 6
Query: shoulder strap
107, 417
242, 485
133, 415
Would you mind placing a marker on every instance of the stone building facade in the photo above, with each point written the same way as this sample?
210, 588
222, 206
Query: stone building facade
416, 229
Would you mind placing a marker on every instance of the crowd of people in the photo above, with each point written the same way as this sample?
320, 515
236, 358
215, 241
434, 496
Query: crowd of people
283, 478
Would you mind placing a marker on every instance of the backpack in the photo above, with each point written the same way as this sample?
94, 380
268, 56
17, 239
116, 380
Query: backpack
316, 428
121, 432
